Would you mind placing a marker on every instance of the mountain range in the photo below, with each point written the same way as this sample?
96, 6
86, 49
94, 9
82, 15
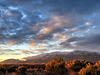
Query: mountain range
67, 56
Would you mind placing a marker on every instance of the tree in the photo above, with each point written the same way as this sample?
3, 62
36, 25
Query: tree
21, 69
76, 65
12, 69
89, 70
3, 70
57, 66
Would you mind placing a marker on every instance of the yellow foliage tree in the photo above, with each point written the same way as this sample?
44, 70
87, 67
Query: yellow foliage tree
57, 66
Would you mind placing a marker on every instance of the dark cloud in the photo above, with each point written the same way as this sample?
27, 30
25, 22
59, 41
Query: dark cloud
17, 23
86, 43
70, 6
39, 21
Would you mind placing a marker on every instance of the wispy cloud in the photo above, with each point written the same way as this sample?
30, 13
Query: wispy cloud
45, 25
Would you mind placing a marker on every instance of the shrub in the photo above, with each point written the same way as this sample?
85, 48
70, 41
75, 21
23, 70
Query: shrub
3, 70
57, 65
89, 70
21, 69
76, 65
12, 69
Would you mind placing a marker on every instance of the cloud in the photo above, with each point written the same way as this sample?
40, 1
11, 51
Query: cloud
22, 24
69, 24
42, 46
86, 43
11, 43
69, 6
41, 50
27, 52
15, 26
7, 51
59, 37
55, 24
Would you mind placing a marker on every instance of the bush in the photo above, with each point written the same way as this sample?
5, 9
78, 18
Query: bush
76, 65
57, 65
89, 70
30, 70
12, 69
21, 69
3, 70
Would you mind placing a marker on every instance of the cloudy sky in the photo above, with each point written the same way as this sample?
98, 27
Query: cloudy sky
32, 27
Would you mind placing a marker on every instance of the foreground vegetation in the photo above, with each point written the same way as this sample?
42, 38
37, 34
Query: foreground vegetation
56, 67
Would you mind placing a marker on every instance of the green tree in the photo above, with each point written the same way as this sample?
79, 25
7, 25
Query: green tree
57, 66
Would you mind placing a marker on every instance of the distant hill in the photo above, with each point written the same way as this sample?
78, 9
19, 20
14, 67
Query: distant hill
11, 61
67, 56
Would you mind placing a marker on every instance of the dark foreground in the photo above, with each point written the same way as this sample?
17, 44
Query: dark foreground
56, 67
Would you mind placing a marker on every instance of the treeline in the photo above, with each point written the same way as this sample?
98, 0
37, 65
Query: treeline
56, 67
10, 69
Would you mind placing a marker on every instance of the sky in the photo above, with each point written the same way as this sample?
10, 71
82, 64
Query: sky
32, 27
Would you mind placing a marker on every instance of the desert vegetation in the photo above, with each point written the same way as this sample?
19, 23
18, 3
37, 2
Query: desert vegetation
56, 67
